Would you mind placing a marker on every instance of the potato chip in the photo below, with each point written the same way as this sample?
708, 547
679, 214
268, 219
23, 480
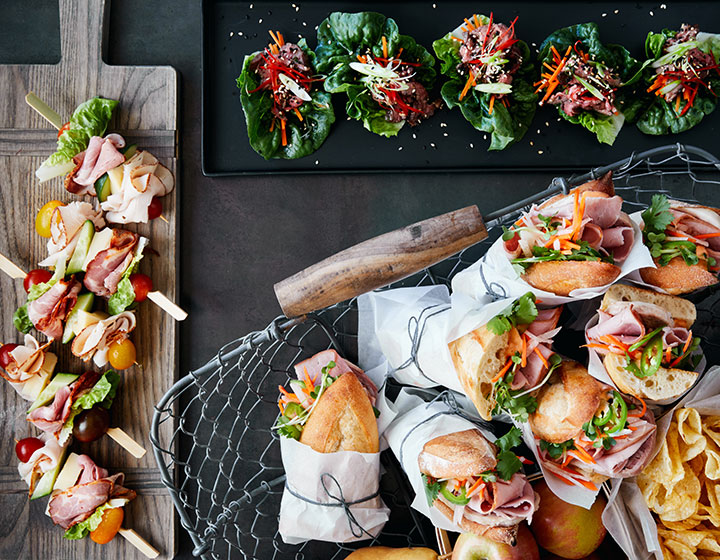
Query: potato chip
689, 425
709, 543
682, 502
691, 539
678, 550
712, 460
683, 525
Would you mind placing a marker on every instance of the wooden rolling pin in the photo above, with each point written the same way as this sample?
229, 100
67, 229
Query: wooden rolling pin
380, 261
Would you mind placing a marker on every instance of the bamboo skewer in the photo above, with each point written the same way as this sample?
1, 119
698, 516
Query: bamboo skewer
10, 268
167, 305
443, 543
138, 542
44, 110
126, 442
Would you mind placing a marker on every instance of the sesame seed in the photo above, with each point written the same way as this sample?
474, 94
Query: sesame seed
251, 6
538, 131
432, 144
663, 6
484, 136
400, 148
540, 152
414, 135
616, 12
604, 14
471, 145
445, 133
304, 24
317, 162
260, 20
532, 143
231, 34
651, 13
240, 33
443, 125
547, 123
434, 6
534, 44
297, 8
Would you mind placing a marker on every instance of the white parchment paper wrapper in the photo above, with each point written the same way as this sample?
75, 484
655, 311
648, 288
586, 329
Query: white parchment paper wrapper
627, 516
394, 325
414, 411
500, 276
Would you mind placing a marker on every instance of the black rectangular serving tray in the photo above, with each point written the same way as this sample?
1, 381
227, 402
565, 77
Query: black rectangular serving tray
445, 142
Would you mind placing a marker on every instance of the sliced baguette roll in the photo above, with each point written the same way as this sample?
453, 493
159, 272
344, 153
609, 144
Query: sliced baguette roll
457, 455
478, 357
679, 278
562, 277
342, 420
385, 553
665, 384
683, 311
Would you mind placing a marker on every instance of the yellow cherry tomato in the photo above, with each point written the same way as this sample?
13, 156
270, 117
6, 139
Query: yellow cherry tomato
122, 354
109, 526
44, 218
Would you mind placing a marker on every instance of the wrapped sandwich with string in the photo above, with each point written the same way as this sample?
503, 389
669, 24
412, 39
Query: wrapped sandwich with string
328, 427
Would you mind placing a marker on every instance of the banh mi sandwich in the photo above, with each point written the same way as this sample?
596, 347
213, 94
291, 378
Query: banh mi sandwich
572, 241
490, 78
587, 432
28, 367
502, 363
387, 77
330, 406
478, 484
86, 500
66, 396
287, 112
683, 77
644, 338
684, 241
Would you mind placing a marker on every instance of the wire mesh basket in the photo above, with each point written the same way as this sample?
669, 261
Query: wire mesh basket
222, 464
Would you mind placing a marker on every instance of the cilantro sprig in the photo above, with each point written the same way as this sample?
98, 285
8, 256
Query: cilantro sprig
556, 450
522, 311
432, 488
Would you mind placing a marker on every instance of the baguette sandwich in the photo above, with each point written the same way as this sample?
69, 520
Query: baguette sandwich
644, 338
502, 362
572, 241
684, 241
331, 406
477, 484
588, 432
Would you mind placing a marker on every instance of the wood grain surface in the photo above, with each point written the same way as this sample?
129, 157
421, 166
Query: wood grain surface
380, 261
147, 114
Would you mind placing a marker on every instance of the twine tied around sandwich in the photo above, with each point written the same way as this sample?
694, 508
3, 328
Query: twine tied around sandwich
416, 328
490, 286
447, 397
337, 499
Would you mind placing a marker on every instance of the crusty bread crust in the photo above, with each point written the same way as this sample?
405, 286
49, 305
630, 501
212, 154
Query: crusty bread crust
568, 400
602, 184
507, 535
562, 277
386, 553
679, 278
343, 419
478, 356
457, 455
683, 311
664, 384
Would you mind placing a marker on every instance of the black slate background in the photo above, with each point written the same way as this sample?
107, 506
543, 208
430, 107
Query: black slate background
240, 235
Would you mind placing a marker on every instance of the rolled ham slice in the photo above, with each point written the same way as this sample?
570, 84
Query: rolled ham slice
28, 360
101, 156
49, 311
65, 224
105, 270
41, 461
94, 340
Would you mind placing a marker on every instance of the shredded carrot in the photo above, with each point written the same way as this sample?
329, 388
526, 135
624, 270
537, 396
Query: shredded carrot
556, 54
399, 52
282, 39
587, 484
275, 37
642, 412
549, 66
280, 406
362, 59
684, 349
384, 44
492, 103
677, 104
299, 115
571, 245
470, 25
668, 355
477, 20
523, 362
708, 235
470, 82
274, 49
474, 487
503, 371
456, 39
542, 358
272, 125
505, 101
583, 455
308, 380
563, 479
284, 133
567, 460
610, 339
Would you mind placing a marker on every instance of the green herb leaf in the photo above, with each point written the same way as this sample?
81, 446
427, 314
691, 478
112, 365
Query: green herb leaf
556, 450
432, 488
522, 311
507, 464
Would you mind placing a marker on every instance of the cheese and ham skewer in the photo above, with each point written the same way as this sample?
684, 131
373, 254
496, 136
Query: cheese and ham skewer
83, 490
27, 367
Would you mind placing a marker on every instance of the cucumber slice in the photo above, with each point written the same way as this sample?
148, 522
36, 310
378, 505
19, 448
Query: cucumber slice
129, 151
100, 242
102, 188
84, 303
48, 393
45, 485
87, 232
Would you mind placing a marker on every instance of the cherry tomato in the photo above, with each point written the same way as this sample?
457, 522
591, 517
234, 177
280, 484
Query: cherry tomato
155, 209
122, 355
109, 526
142, 284
5, 357
26, 447
63, 128
36, 276
44, 218
91, 424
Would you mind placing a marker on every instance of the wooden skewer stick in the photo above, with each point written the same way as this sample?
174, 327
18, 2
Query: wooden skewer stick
138, 542
443, 543
10, 268
127, 443
44, 110
159, 299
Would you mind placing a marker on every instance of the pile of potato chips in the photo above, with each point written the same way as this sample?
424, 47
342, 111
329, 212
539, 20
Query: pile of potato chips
681, 485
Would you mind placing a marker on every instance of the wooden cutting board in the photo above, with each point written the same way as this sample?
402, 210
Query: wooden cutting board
147, 115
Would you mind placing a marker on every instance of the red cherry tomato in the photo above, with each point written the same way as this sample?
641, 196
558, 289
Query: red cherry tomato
142, 284
26, 447
37, 276
155, 209
5, 357
63, 128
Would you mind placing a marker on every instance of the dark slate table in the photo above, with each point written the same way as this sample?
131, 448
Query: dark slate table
240, 235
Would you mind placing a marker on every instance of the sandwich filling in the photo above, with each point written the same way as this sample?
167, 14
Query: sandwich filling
587, 226
314, 376
671, 230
